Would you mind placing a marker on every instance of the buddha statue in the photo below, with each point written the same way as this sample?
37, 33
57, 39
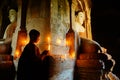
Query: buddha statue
5, 43
11, 27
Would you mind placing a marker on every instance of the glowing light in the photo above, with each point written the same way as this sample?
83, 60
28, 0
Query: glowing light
72, 55
48, 43
58, 41
65, 56
17, 53
68, 43
24, 41
49, 47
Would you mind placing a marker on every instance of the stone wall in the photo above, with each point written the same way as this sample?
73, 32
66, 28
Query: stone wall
59, 23
52, 19
38, 17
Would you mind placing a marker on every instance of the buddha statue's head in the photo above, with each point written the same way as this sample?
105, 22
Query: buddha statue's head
12, 15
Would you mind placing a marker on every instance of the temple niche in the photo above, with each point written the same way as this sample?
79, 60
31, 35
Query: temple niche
38, 17
81, 10
4, 20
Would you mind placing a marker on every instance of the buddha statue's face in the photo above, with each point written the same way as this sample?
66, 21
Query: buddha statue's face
81, 17
79, 20
12, 15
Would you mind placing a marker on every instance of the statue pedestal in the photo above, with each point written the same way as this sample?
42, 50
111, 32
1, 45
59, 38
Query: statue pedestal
7, 69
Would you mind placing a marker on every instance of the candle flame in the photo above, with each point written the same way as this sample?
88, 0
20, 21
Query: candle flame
72, 55
58, 41
48, 39
17, 53
68, 43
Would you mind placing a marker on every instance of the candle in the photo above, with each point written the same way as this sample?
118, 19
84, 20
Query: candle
65, 56
48, 43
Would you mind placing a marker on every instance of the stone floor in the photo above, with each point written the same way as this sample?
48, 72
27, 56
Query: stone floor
64, 65
65, 71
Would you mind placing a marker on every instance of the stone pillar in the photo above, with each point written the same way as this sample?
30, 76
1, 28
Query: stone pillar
16, 48
60, 23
